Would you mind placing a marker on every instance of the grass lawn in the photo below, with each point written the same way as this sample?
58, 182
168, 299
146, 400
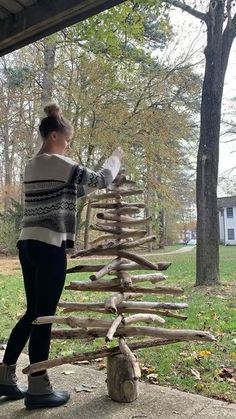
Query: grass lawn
206, 368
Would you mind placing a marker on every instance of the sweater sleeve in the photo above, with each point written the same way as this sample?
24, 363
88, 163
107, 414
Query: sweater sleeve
89, 180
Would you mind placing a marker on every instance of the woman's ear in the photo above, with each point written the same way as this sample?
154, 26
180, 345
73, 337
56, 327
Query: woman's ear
54, 136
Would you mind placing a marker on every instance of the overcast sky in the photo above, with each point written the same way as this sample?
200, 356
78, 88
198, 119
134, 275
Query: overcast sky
195, 38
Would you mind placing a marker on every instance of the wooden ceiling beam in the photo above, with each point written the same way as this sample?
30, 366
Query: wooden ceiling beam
44, 18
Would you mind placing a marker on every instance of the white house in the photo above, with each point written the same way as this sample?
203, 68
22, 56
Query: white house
227, 219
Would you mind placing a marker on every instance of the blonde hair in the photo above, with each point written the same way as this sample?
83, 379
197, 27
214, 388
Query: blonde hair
54, 121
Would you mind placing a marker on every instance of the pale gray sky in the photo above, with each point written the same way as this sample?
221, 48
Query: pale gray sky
191, 37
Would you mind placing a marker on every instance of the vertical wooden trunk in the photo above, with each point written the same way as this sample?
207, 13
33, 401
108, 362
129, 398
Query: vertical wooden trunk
162, 234
48, 72
207, 269
149, 225
87, 225
121, 386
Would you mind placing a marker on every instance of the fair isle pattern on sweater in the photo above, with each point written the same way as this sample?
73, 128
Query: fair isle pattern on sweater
52, 185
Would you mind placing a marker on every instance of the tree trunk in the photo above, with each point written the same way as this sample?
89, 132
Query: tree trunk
79, 222
147, 214
48, 72
87, 225
122, 387
217, 53
162, 239
49, 51
7, 168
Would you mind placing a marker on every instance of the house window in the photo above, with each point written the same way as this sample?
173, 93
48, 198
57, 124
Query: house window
230, 212
230, 233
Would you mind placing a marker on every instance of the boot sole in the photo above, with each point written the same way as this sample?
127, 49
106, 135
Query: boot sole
11, 394
41, 406
10, 397
31, 406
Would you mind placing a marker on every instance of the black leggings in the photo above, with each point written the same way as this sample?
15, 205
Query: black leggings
44, 271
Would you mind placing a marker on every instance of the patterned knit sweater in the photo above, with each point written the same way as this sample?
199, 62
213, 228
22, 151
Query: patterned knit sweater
52, 184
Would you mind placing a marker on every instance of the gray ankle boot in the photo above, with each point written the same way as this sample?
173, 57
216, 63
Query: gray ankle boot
8, 383
41, 394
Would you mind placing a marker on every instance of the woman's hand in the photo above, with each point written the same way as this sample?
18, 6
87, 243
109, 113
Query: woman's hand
118, 152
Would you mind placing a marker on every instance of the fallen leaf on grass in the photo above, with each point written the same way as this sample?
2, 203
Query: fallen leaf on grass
68, 372
204, 353
152, 378
220, 334
199, 386
85, 362
196, 373
232, 380
147, 369
228, 374
214, 316
185, 354
84, 387
101, 365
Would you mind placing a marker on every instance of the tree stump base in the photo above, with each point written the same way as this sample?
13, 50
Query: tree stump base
122, 387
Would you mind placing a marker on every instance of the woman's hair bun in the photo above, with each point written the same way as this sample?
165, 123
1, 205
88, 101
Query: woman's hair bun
52, 110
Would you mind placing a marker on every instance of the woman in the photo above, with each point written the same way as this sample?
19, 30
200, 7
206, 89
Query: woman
52, 184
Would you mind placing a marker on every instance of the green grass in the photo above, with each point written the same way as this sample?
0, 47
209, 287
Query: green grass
168, 249
210, 308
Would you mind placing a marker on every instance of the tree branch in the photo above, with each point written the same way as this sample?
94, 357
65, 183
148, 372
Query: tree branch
188, 9
228, 9
233, 26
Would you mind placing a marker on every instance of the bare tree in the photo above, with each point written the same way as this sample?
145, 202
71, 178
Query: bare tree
220, 21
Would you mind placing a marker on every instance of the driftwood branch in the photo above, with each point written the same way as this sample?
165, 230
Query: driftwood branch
103, 237
72, 307
146, 318
118, 193
109, 287
124, 220
136, 243
84, 268
86, 322
122, 232
73, 322
96, 250
115, 251
153, 278
125, 350
112, 245
128, 331
112, 329
104, 352
122, 307
116, 206
106, 269
138, 259
112, 302
124, 279
125, 210
160, 266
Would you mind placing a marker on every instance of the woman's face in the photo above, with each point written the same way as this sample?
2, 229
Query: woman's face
60, 141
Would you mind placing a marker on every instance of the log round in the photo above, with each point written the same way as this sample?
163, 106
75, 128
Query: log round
121, 386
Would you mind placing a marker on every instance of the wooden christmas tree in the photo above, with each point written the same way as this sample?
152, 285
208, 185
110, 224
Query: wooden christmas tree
121, 231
